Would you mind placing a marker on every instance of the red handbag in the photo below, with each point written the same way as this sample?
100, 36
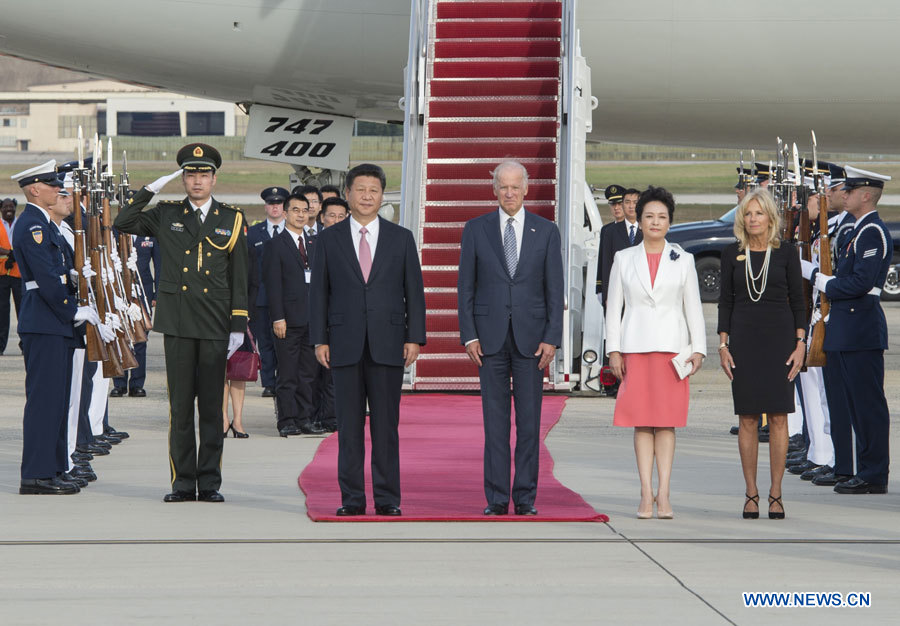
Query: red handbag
243, 365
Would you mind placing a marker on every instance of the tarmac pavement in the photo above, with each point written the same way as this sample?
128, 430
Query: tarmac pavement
116, 554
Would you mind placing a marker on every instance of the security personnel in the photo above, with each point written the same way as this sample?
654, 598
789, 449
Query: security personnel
615, 195
46, 327
260, 322
10, 278
856, 332
201, 310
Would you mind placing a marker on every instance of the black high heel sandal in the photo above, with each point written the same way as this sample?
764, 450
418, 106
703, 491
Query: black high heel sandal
751, 514
776, 514
225, 434
238, 434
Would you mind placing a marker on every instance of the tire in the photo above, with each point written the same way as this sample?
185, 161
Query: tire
891, 289
709, 275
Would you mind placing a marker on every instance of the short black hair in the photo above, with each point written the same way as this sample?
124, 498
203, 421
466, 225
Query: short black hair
305, 189
331, 189
656, 194
13, 200
327, 202
366, 169
631, 191
296, 195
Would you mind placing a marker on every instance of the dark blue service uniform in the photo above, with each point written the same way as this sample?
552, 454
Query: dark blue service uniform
856, 338
260, 321
48, 338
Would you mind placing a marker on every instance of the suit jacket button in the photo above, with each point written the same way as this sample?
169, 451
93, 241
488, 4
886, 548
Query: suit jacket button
187, 251
205, 290
207, 272
65, 301
209, 254
852, 310
184, 287
185, 269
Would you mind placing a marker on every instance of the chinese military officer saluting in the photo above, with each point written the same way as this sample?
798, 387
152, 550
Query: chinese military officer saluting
201, 310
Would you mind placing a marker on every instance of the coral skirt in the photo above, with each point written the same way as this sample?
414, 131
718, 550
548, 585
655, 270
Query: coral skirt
651, 394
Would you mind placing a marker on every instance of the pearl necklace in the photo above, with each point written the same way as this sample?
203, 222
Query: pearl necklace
763, 273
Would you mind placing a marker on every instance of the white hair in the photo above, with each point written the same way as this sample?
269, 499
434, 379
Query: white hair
508, 165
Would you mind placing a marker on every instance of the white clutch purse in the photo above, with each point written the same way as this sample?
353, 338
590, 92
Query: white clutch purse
679, 363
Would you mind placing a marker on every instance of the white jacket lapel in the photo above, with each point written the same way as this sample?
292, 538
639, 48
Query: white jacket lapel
642, 268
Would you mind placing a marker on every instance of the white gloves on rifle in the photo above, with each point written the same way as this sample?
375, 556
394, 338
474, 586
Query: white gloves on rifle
132, 260
106, 333
157, 185
134, 312
806, 268
113, 321
87, 271
235, 340
86, 314
822, 280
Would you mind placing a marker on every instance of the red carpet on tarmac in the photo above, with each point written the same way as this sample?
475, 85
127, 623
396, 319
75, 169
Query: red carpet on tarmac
441, 468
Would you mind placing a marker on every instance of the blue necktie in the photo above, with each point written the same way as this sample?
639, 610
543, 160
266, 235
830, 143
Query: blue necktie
631, 234
509, 247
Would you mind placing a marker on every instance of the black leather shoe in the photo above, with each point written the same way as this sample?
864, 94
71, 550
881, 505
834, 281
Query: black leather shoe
113, 441
858, 485
389, 510
118, 392
83, 472
290, 431
496, 509
180, 496
792, 462
47, 487
799, 455
829, 479
268, 392
735, 430
525, 509
67, 477
100, 444
764, 434
137, 392
83, 464
82, 456
311, 428
121, 434
92, 449
350, 511
812, 473
210, 496
803, 467
796, 443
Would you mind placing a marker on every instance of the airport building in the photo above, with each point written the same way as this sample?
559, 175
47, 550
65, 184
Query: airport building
45, 118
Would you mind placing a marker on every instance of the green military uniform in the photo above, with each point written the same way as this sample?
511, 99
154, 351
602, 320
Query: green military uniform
202, 297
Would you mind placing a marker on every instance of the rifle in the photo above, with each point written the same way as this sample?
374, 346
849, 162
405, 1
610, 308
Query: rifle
816, 354
134, 286
96, 349
803, 235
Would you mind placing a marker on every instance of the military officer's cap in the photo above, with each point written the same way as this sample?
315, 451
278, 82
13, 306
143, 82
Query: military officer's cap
44, 173
762, 172
199, 157
71, 166
863, 178
836, 175
274, 195
66, 183
614, 193
744, 177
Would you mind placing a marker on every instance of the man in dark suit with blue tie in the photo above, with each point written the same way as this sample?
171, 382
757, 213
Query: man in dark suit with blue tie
286, 274
367, 321
510, 320
260, 321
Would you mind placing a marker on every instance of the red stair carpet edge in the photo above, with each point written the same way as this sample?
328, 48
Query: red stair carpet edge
441, 468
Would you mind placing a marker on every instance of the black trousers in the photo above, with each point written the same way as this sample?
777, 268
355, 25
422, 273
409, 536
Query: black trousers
527, 383
85, 434
9, 285
48, 379
134, 379
839, 414
295, 377
195, 368
380, 385
261, 327
323, 395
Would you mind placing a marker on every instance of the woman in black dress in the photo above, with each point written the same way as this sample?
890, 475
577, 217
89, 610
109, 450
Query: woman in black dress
762, 332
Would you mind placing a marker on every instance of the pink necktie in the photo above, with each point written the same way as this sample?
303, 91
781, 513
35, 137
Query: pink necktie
365, 254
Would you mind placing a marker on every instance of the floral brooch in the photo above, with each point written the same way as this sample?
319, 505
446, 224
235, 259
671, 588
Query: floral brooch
674, 255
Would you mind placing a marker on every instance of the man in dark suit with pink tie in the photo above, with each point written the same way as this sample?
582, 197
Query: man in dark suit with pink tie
367, 321
510, 320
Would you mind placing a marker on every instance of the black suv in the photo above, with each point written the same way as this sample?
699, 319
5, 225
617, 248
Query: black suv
706, 240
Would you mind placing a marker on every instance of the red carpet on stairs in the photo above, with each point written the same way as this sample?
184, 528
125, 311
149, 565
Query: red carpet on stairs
441, 465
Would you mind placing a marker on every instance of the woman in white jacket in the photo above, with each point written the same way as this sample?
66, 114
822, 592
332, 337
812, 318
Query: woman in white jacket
654, 346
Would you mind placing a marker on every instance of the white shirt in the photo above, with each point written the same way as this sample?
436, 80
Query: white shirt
204, 208
631, 228
296, 239
518, 227
9, 228
68, 233
270, 226
312, 231
371, 235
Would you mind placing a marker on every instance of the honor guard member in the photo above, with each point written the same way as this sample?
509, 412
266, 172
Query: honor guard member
201, 310
762, 174
745, 177
260, 322
856, 332
46, 327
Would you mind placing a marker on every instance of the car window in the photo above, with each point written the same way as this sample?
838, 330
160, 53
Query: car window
729, 217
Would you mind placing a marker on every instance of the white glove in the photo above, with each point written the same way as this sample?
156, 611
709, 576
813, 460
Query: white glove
73, 274
815, 317
120, 304
87, 314
822, 280
806, 268
157, 185
112, 320
235, 340
132, 260
106, 333
117, 263
87, 271
134, 312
